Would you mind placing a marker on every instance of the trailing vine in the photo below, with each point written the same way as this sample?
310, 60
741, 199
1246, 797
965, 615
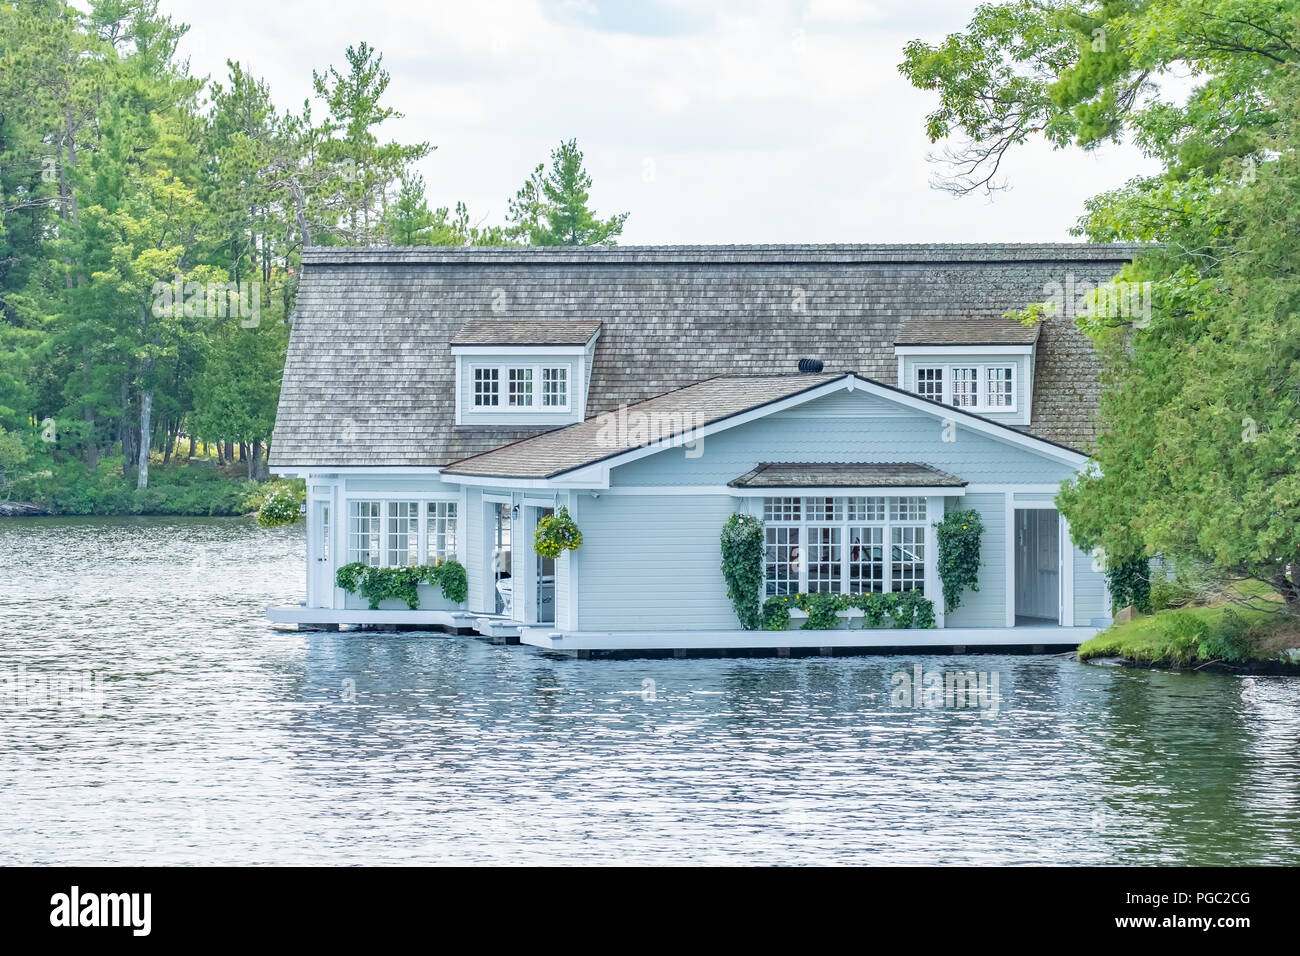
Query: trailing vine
910, 609
959, 554
555, 534
742, 568
379, 584
1130, 584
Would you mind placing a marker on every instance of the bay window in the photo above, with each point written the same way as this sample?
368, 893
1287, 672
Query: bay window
838, 545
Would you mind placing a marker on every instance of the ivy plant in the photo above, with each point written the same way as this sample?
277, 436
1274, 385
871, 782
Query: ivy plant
959, 554
1130, 584
910, 609
379, 584
555, 534
776, 612
742, 568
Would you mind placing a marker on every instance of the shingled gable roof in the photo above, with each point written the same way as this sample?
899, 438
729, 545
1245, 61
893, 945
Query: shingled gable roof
846, 474
369, 376
974, 331
531, 333
668, 416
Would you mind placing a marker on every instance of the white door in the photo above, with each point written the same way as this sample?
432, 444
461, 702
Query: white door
320, 568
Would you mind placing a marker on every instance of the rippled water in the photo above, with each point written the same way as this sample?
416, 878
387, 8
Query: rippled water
222, 740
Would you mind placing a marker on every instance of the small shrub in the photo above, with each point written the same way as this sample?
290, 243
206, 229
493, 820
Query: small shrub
280, 506
1232, 640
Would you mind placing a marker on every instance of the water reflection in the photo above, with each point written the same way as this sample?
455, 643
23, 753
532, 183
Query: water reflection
224, 740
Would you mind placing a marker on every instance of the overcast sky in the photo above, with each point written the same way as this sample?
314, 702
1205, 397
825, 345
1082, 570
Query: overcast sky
733, 121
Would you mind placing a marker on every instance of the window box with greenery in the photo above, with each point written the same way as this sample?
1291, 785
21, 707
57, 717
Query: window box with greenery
823, 612
395, 588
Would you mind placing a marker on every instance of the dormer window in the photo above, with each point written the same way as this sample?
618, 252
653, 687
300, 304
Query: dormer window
982, 365
523, 373
977, 388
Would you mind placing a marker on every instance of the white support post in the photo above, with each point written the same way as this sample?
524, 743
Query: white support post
1011, 558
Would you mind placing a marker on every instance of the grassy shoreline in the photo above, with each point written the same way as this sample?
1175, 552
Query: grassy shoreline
1223, 636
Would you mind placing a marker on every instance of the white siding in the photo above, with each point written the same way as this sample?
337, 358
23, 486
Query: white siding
986, 607
653, 562
1089, 592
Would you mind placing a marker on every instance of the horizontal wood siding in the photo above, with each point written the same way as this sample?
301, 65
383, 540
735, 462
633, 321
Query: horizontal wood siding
650, 562
1089, 591
986, 607
846, 426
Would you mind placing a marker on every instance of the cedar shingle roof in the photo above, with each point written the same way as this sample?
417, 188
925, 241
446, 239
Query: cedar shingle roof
972, 331
531, 332
369, 378
672, 415
855, 474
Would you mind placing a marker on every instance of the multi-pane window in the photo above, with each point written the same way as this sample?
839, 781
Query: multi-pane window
997, 390
981, 388
929, 383
555, 387
396, 534
853, 545
783, 561
520, 387
965, 387
441, 530
487, 387
907, 560
365, 527
402, 535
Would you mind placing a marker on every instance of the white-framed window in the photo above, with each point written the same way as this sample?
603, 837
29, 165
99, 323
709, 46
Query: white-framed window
998, 387
397, 533
929, 383
977, 388
520, 392
555, 387
402, 534
365, 529
520, 388
487, 387
441, 531
965, 387
838, 545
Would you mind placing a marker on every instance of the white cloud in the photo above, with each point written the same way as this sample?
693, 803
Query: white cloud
756, 132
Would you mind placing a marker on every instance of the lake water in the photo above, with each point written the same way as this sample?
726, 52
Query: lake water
219, 739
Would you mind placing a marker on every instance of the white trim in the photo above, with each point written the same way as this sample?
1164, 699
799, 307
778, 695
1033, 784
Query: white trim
934, 512
333, 471
1010, 559
1067, 573
947, 350
990, 489
520, 350
729, 491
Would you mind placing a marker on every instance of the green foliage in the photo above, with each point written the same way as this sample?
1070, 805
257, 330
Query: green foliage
379, 584
1166, 594
821, 610
1235, 639
1195, 634
551, 208
742, 568
1130, 584
280, 503
959, 554
555, 534
1182, 636
1199, 446
776, 612
909, 609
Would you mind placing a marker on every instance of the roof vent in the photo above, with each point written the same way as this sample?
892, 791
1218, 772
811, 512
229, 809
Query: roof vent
807, 366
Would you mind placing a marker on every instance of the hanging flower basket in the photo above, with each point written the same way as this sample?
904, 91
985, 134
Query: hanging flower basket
556, 534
